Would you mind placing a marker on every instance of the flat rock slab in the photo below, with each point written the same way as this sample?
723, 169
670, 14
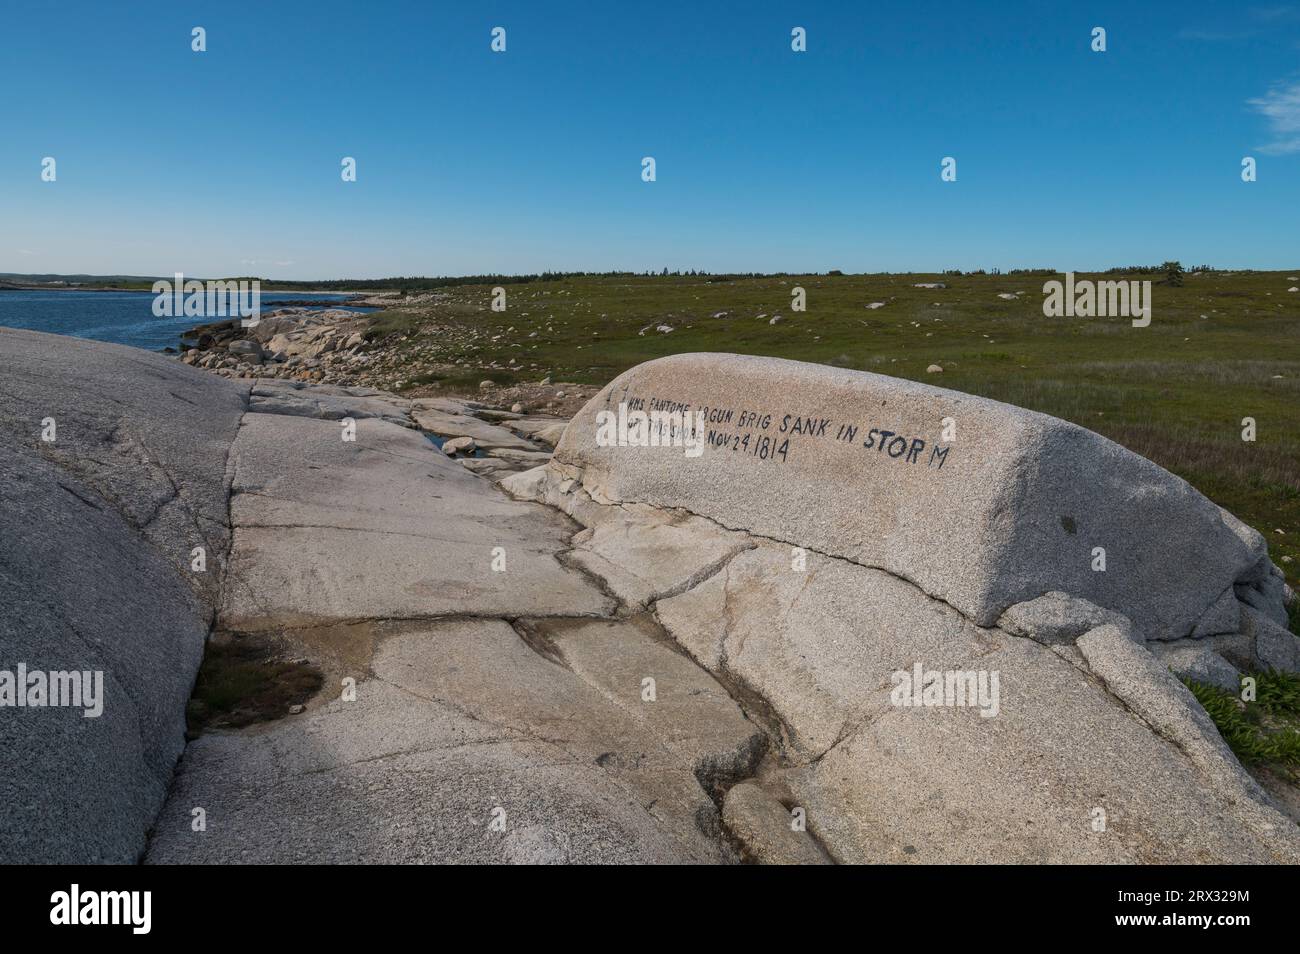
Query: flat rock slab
458, 725
819, 645
858, 465
646, 556
328, 402
433, 803
645, 674
641, 553
519, 458
548, 430
385, 526
446, 419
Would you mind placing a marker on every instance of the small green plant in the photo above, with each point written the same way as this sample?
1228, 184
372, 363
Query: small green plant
1266, 731
1279, 692
1231, 717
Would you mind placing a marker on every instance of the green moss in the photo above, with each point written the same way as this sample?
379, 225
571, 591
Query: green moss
242, 681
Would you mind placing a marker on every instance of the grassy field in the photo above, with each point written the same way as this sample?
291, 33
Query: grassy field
1221, 347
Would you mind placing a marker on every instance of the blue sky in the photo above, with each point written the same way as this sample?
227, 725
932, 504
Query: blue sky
228, 161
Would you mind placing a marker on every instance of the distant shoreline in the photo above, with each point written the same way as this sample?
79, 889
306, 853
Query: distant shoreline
16, 286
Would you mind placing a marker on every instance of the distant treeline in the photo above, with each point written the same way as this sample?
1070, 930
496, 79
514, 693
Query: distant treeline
414, 283
410, 283
1120, 270
1144, 269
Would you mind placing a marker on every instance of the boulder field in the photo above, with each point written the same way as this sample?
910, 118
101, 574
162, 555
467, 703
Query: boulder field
833, 617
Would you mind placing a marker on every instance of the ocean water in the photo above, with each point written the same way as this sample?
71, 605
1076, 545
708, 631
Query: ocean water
124, 317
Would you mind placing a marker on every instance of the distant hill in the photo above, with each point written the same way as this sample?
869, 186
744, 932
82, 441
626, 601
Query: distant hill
19, 278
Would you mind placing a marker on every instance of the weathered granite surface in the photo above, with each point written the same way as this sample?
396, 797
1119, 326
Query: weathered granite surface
1088, 724
829, 576
385, 526
623, 655
96, 533
857, 465
459, 723
482, 695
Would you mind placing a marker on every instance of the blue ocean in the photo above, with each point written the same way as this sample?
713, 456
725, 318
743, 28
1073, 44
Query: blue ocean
124, 317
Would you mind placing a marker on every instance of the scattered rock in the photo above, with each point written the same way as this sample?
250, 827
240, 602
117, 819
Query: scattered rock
765, 829
1194, 659
459, 445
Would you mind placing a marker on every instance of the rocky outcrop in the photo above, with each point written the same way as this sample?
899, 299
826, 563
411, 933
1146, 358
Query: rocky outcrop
301, 344
622, 655
113, 469
981, 504
484, 699
933, 702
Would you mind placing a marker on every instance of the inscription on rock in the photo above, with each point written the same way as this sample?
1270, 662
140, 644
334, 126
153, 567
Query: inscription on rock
782, 436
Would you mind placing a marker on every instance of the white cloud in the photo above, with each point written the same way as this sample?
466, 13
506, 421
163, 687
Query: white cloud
1281, 107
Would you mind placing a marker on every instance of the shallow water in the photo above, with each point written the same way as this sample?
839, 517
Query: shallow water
124, 317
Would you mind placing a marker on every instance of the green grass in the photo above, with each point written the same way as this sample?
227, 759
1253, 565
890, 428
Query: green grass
1279, 693
1266, 731
1175, 392
457, 382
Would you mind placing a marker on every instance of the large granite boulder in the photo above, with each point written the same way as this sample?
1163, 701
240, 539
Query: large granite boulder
97, 530
830, 585
980, 504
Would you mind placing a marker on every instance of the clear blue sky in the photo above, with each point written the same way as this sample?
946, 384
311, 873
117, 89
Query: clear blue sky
227, 162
